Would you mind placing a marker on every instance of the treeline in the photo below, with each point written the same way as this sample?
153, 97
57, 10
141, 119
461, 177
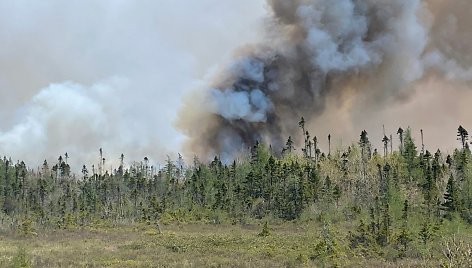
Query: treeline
380, 190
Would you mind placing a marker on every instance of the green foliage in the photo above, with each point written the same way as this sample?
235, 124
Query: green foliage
265, 230
404, 238
21, 259
26, 228
409, 152
451, 198
328, 251
391, 205
426, 233
362, 239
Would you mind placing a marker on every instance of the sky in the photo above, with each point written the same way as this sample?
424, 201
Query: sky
79, 75
76, 76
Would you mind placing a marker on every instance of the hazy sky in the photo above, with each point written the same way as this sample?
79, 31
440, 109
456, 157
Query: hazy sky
79, 75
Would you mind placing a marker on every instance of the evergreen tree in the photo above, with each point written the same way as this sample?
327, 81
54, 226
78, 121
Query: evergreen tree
451, 198
410, 153
365, 146
404, 238
289, 145
462, 136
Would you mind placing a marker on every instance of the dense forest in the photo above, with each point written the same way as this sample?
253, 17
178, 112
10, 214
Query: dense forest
397, 198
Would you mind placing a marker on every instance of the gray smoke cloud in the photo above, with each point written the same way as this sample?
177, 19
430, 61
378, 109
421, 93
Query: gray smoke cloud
340, 64
79, 75
76, 76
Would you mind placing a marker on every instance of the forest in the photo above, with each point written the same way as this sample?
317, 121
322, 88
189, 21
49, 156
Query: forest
358, 206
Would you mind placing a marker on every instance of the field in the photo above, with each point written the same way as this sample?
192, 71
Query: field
185, 245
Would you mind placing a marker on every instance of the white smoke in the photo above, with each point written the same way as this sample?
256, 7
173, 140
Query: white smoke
329, 25
249, 68
84, 75
250, 105
337, 35
63, 116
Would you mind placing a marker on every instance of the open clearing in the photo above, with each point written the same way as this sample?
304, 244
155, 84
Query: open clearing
189, 245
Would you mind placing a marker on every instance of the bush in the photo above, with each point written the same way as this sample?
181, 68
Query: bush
328, 251
456, 253
21, 259
26, 228
265, 230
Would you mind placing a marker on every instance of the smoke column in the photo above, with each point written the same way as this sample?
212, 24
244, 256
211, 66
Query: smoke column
77, 76
333, 62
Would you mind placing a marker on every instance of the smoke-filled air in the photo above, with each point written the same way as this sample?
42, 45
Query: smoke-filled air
76, 76
210, 77
344, 66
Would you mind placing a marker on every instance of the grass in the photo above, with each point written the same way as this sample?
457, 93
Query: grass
190, 245
142, 246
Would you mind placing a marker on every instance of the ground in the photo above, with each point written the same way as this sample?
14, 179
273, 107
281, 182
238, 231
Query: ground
179, 245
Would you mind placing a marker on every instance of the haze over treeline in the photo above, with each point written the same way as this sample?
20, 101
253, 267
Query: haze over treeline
85, 75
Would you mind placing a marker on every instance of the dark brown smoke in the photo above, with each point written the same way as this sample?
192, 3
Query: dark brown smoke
360, 55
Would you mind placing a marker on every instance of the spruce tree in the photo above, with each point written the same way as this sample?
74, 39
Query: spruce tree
451, 198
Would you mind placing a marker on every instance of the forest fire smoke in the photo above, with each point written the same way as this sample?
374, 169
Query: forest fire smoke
76, 77
370, 52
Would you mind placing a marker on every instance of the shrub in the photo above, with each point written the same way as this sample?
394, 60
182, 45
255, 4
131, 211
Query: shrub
456, 253
21, 260
265, 230
26, 228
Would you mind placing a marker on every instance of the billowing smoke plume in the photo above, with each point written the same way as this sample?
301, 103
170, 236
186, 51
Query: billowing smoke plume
360, 56
84, 75
77, 76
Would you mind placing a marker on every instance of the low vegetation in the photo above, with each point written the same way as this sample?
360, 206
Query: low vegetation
351, 207
296, 244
